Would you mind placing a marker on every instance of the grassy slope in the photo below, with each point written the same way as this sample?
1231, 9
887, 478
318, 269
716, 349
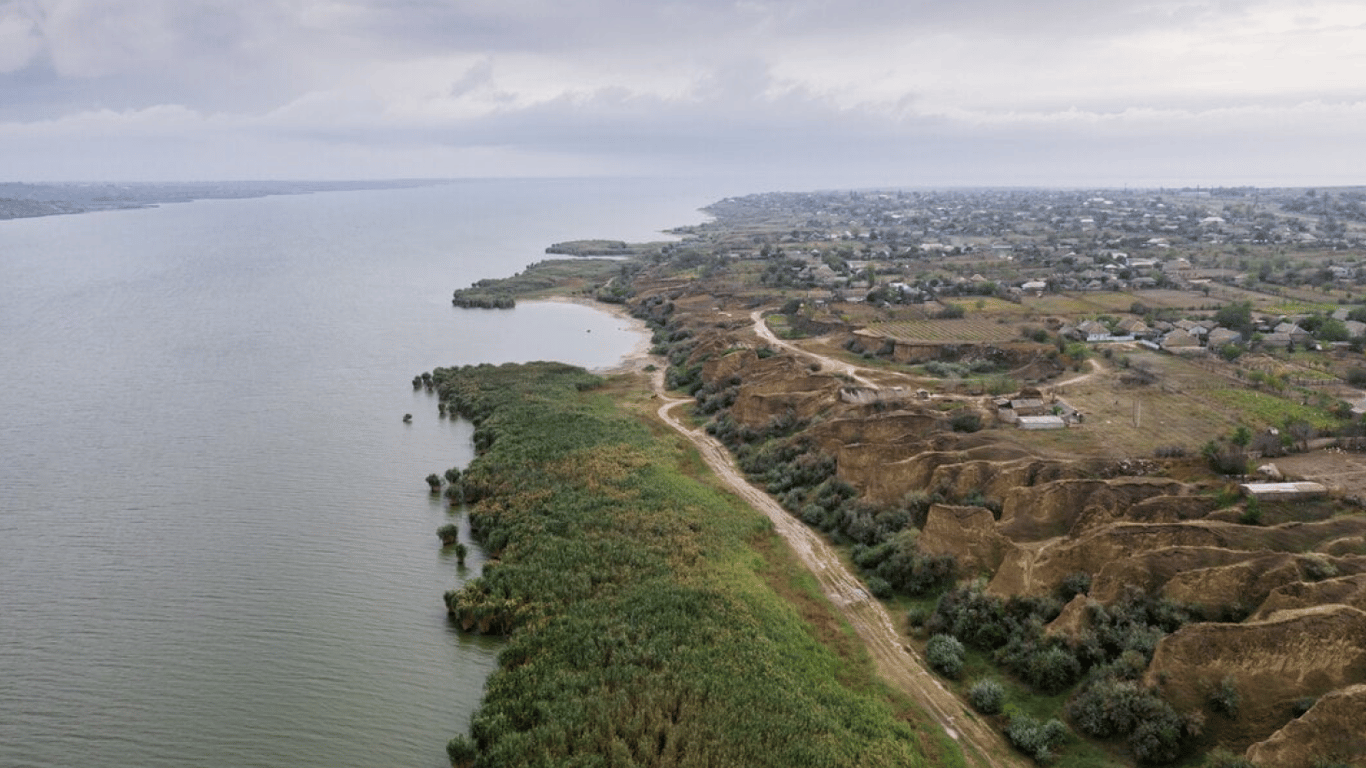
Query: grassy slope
643, 624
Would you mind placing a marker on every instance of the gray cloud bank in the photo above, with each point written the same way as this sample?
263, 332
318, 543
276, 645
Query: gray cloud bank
790, 92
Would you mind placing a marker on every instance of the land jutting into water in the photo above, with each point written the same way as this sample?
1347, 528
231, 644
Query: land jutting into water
1094, 456
21, 200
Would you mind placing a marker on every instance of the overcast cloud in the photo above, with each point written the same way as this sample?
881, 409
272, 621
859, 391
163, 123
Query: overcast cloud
783, 92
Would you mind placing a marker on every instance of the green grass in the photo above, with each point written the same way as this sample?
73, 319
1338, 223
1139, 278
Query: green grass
645, 610
1261, 410
540, 279
1301, 307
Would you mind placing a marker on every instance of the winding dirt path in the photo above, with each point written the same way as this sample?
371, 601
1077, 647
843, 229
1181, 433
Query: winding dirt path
828, 363
1097, 367
896, 662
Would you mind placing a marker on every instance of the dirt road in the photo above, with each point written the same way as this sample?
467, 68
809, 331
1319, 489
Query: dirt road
828, 363
896, 663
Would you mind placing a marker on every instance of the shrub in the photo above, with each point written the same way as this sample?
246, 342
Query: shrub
951, 312
1107, 708
880, 587
448, 533
1158, 740
1036, 739
987, 696
945, 655
915, 617
1053, 670
1318, 568
1226, 460
966, 421
1224, 698
1073, 584
972, 616
461, 751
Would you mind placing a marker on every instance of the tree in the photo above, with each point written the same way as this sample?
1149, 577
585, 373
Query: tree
434, 482
1236, 316
1333, 329
1241, 436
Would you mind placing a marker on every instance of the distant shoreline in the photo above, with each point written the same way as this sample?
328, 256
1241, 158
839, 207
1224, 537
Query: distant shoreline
20, 200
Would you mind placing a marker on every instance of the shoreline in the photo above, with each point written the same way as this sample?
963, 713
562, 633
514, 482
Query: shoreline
635, 360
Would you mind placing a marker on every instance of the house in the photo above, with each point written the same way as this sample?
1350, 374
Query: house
1179, 340
1222, 337
1296, 333
1277, 340
1041, 422
1132, 326
1028, 406
1093, 330
1283, 491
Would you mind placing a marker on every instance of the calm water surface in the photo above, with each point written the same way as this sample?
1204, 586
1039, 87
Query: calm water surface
216, 545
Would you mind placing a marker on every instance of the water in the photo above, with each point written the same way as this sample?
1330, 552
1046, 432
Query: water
216, 544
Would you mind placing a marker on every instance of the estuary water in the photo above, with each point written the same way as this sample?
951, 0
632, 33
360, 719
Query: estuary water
216, 544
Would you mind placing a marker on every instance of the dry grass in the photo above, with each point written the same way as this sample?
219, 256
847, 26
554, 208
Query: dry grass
969, 330
1182, 409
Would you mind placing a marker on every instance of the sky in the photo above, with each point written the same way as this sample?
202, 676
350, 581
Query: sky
778, 93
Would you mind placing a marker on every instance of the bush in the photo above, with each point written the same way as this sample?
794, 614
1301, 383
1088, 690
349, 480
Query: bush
1053, 670
1224, 698
966, 421
880, 587
987, 696
461, 751
448, 533
1036, 739
945, 655
1073, 584
1318, 568
1158, 740
915, 617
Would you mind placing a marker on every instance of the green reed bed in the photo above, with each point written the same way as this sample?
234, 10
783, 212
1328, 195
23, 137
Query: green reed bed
640, 629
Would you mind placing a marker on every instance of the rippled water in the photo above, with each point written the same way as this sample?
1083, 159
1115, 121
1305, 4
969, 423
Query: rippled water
216, 546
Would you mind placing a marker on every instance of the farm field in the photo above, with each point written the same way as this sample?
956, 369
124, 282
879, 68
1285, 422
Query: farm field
966, 330
1082, 303
1187, 406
